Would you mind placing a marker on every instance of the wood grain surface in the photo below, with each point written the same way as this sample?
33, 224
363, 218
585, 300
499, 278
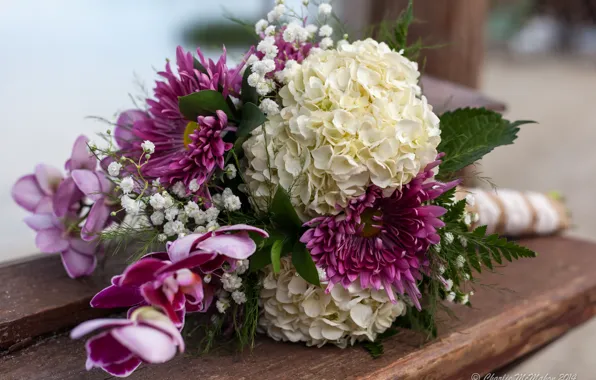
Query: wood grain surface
519, 308
38, 297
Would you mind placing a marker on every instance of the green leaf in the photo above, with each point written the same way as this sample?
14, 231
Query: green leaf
283, 213
199, 66
204, 102
304, 264
248, 94
276, 255
251, 118
470, 133
259, 260
375, 349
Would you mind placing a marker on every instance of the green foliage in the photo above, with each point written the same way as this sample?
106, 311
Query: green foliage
418, 320
247, 332
468, 134
283, 213
395, 33
276, 255
304, 264
248, 94
375, 349
251, 118
204, 102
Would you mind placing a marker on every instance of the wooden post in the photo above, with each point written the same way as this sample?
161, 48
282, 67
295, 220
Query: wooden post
457, 25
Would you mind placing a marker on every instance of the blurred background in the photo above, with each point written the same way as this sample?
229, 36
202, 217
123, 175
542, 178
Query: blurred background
65, 60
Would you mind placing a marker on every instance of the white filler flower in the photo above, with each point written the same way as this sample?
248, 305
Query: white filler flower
352, 117
296, 311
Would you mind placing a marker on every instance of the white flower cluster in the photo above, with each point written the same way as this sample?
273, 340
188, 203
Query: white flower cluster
227, 200
352, 117
296, 311
232, 285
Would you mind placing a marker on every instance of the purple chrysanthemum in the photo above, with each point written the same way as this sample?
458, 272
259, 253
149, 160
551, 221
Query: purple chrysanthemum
382, 241
215, 76
185, 150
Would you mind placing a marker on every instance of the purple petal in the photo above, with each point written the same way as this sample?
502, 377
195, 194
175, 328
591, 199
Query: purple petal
149, 344
93, 184
123, 131
156, 297
117, 296
190, 262
84, 247
78, 264
48, 178
40, 222
238, 246
27, 193
123, 369
51, 241
141, 272
167, 327
242, 227
103, 349
96, 221
94, 324
180, 249
81, 158
66, 196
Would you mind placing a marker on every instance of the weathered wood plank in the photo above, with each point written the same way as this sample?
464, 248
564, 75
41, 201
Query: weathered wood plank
551, 294
38, 297
447, 96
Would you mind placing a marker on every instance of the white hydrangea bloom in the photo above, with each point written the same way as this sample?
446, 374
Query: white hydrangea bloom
114, 169
352, 117
296, 311
148, 147
127, 185
157, 218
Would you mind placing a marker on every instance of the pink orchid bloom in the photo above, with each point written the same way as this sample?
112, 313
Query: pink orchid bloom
147, 336
55, 202
173, 281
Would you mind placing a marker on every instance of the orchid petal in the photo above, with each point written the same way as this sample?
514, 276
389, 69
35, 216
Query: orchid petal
149, 344
123, 369
180, 249
242, 227
40, 222
141, 272
27, 193
156, 297
103, 350
66, 195
190, 262
96, 221
93, 184
81, 158
95, 324
51, 241
48, 178
117, 296
78, 264
238, 246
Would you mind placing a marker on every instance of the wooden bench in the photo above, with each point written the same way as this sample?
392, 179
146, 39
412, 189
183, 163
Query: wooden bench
518, 309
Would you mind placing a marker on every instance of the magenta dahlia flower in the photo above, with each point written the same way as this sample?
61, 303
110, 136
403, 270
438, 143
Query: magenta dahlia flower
185, 150
381, 241
147, 336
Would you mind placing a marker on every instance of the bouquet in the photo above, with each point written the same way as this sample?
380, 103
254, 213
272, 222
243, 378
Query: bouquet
307, 193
